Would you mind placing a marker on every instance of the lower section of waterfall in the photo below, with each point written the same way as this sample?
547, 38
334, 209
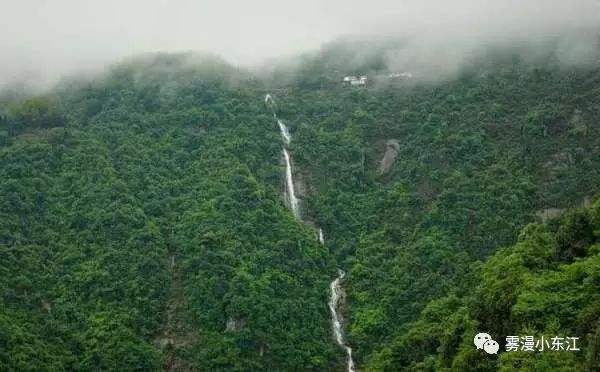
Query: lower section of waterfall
336, 318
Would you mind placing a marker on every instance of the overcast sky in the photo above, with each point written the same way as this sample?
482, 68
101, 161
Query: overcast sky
41, 37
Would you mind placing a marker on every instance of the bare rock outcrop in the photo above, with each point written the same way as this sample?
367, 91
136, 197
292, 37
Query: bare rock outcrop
392, 148
549, 213
234, 325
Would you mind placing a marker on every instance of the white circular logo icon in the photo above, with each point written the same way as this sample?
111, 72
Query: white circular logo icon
481, 339
491, 347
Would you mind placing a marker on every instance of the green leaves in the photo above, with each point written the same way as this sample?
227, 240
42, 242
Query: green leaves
33, 113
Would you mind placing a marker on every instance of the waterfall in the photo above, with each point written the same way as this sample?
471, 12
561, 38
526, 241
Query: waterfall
289, 181
271, 104
335, 286
320, 236
285, 133
336, 318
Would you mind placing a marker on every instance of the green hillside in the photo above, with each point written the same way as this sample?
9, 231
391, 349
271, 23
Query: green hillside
143, 227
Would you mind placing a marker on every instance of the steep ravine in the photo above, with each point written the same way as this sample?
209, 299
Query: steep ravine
176, 337
337, 295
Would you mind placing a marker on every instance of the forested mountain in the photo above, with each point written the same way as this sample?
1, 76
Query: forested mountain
143, 224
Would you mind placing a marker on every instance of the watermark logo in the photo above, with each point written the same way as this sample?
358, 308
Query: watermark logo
491, 347
542, 343
484, 341
526, 343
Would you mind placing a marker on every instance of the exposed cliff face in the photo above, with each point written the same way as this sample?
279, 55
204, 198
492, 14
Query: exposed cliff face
235, 325
544, 215
392, 147
549, 213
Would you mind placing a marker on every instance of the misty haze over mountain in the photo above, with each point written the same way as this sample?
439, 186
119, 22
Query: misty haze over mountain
41, 40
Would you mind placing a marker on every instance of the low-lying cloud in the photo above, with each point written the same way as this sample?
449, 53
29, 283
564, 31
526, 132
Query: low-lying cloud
42, 39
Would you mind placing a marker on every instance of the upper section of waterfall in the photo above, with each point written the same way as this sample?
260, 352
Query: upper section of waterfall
285, 133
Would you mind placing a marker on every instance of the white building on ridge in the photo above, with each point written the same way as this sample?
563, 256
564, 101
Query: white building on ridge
355, 81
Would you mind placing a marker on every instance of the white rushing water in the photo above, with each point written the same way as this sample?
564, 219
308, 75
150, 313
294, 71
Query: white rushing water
320, 236
285, 132
335, 287
334, 306
289, 182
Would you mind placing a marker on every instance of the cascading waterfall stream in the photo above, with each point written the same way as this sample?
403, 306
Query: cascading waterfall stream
289, 180
291, 193
335, 286
285, 133
336, 318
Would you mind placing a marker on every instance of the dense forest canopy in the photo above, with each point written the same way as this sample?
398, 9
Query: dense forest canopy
142, 223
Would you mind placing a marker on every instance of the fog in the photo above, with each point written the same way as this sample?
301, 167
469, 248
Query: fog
40, 40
